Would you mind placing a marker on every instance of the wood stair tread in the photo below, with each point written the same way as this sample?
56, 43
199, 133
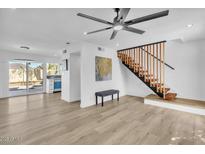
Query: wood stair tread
170, 96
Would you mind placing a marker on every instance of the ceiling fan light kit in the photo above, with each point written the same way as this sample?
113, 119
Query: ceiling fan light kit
119, 22
118, 27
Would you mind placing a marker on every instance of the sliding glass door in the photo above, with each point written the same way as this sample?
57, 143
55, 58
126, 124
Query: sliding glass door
25, 77
35, 77
17, 77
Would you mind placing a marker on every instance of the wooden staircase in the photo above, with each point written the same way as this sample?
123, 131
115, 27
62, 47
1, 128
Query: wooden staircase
147, 63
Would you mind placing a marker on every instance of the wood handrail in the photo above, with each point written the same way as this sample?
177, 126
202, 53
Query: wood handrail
158, 59
141, 47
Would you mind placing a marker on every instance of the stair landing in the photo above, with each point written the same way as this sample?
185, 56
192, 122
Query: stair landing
180, 104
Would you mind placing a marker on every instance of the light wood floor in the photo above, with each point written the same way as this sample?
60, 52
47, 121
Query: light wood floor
45, 119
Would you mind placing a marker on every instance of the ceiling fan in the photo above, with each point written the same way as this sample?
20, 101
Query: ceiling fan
119, 22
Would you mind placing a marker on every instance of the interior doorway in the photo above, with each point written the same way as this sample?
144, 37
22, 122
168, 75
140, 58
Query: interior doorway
25, 77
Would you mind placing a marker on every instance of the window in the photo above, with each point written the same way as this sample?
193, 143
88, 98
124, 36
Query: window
53, 69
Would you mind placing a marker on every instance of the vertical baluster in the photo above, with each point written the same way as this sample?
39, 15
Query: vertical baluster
131, 58
153, 65
138, 58
154, 60
145, 62
150, 62
124, 56
151, 73
127, 57
157, 66
142, 53
160, 67
130, 53
163, 45
128, 61
134, 60
147, 66
131, 62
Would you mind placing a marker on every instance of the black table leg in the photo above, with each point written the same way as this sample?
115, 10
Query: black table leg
96, 100
112, 97
102, 101
117, 96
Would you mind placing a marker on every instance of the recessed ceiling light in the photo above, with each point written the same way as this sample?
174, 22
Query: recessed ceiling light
189, 25
117, 44
85, 33
24, 47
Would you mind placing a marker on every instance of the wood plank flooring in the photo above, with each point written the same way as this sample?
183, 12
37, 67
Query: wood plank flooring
46, 119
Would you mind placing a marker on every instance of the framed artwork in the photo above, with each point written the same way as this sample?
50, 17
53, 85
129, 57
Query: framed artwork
103, 68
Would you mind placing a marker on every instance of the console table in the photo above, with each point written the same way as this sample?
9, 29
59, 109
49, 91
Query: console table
102, 94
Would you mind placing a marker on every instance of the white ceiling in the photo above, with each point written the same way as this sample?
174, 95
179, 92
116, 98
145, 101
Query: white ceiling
46, 31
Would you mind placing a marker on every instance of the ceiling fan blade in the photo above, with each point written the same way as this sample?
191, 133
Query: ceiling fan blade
100, 30
123, 14
94, 18
134, 30
148, 17
113, 34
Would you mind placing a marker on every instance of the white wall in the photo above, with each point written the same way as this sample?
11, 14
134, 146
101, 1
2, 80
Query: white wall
188, 60
75, 77
88, 84
65, 89
187, 80
134, 86
6, 56
4, 79
71, 78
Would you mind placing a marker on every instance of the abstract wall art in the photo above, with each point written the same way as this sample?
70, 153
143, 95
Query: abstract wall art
103, 68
